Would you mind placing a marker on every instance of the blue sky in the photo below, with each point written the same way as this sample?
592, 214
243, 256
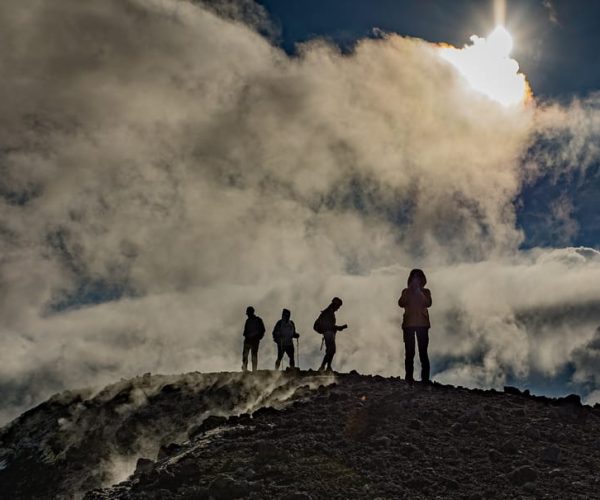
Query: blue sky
555, 44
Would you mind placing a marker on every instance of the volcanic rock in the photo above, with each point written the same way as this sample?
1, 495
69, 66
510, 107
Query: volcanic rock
522, 475
551, 454
318, 436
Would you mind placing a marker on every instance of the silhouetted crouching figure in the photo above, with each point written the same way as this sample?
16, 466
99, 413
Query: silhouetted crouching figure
325, 325
284, 334
254, 330
415, 300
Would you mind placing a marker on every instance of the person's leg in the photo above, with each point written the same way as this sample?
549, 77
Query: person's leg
325, 358
290, 352
423, 342
245, 355
324, 362
279, 355
409, 353
255, 355
329, 348
327, 339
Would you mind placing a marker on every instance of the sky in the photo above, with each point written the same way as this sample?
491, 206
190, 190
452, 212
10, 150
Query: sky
556, 47
165, 164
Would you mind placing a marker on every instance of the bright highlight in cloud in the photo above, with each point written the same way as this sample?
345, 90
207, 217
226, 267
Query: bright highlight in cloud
487, 66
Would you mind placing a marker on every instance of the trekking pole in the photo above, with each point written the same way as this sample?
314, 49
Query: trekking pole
298, 353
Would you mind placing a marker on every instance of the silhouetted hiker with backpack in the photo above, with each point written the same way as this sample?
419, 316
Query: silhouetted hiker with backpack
284, 334
325, 325
415, 300
254, 330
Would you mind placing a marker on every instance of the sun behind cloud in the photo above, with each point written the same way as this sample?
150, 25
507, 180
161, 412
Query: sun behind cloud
488, 68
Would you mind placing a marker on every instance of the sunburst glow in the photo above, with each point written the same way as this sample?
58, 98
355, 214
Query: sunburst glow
487, 66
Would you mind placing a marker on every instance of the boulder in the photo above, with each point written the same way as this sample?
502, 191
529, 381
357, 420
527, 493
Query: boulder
408, 449
472, 414
224, 487
510, 447
551, 454
495, 456
169, 450
143, 466
571, 399
415, 424
417, 483
532, 433
382, 442
508, 389
456, 427
522, 475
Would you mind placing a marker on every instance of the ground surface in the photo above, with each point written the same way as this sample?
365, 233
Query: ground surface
368, 437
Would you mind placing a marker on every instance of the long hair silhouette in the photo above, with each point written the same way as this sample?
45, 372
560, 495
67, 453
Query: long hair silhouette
416, 273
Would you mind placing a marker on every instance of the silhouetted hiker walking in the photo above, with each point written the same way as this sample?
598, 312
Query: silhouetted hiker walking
284, 334
415, 300
325, 325
254, 330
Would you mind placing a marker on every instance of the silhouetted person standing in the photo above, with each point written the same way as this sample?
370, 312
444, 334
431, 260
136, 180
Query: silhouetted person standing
325, 324
415, 300
254, 330
284, 334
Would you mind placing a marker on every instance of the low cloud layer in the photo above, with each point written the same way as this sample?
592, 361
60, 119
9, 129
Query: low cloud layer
162, 167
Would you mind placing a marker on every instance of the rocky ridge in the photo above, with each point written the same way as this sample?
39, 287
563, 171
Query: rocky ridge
356, 436
80, 440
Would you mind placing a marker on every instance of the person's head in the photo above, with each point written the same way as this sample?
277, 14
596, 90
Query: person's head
336, 303
285, 314
417, 274
250, 311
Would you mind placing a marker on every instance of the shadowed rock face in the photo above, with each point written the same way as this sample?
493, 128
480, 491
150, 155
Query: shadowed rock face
299, 436
77, 441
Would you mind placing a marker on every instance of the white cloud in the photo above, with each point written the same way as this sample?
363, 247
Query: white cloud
592, 398
159, 147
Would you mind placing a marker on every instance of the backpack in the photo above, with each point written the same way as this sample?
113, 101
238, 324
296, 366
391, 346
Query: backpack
318, 326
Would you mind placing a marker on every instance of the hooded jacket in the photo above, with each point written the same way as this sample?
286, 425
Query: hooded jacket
415, 303
254, 329
284, 332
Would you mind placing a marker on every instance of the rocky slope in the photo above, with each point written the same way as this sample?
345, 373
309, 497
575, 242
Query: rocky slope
81, 440
300, 436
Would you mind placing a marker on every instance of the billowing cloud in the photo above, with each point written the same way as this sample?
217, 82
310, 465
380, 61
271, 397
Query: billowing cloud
164, 166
